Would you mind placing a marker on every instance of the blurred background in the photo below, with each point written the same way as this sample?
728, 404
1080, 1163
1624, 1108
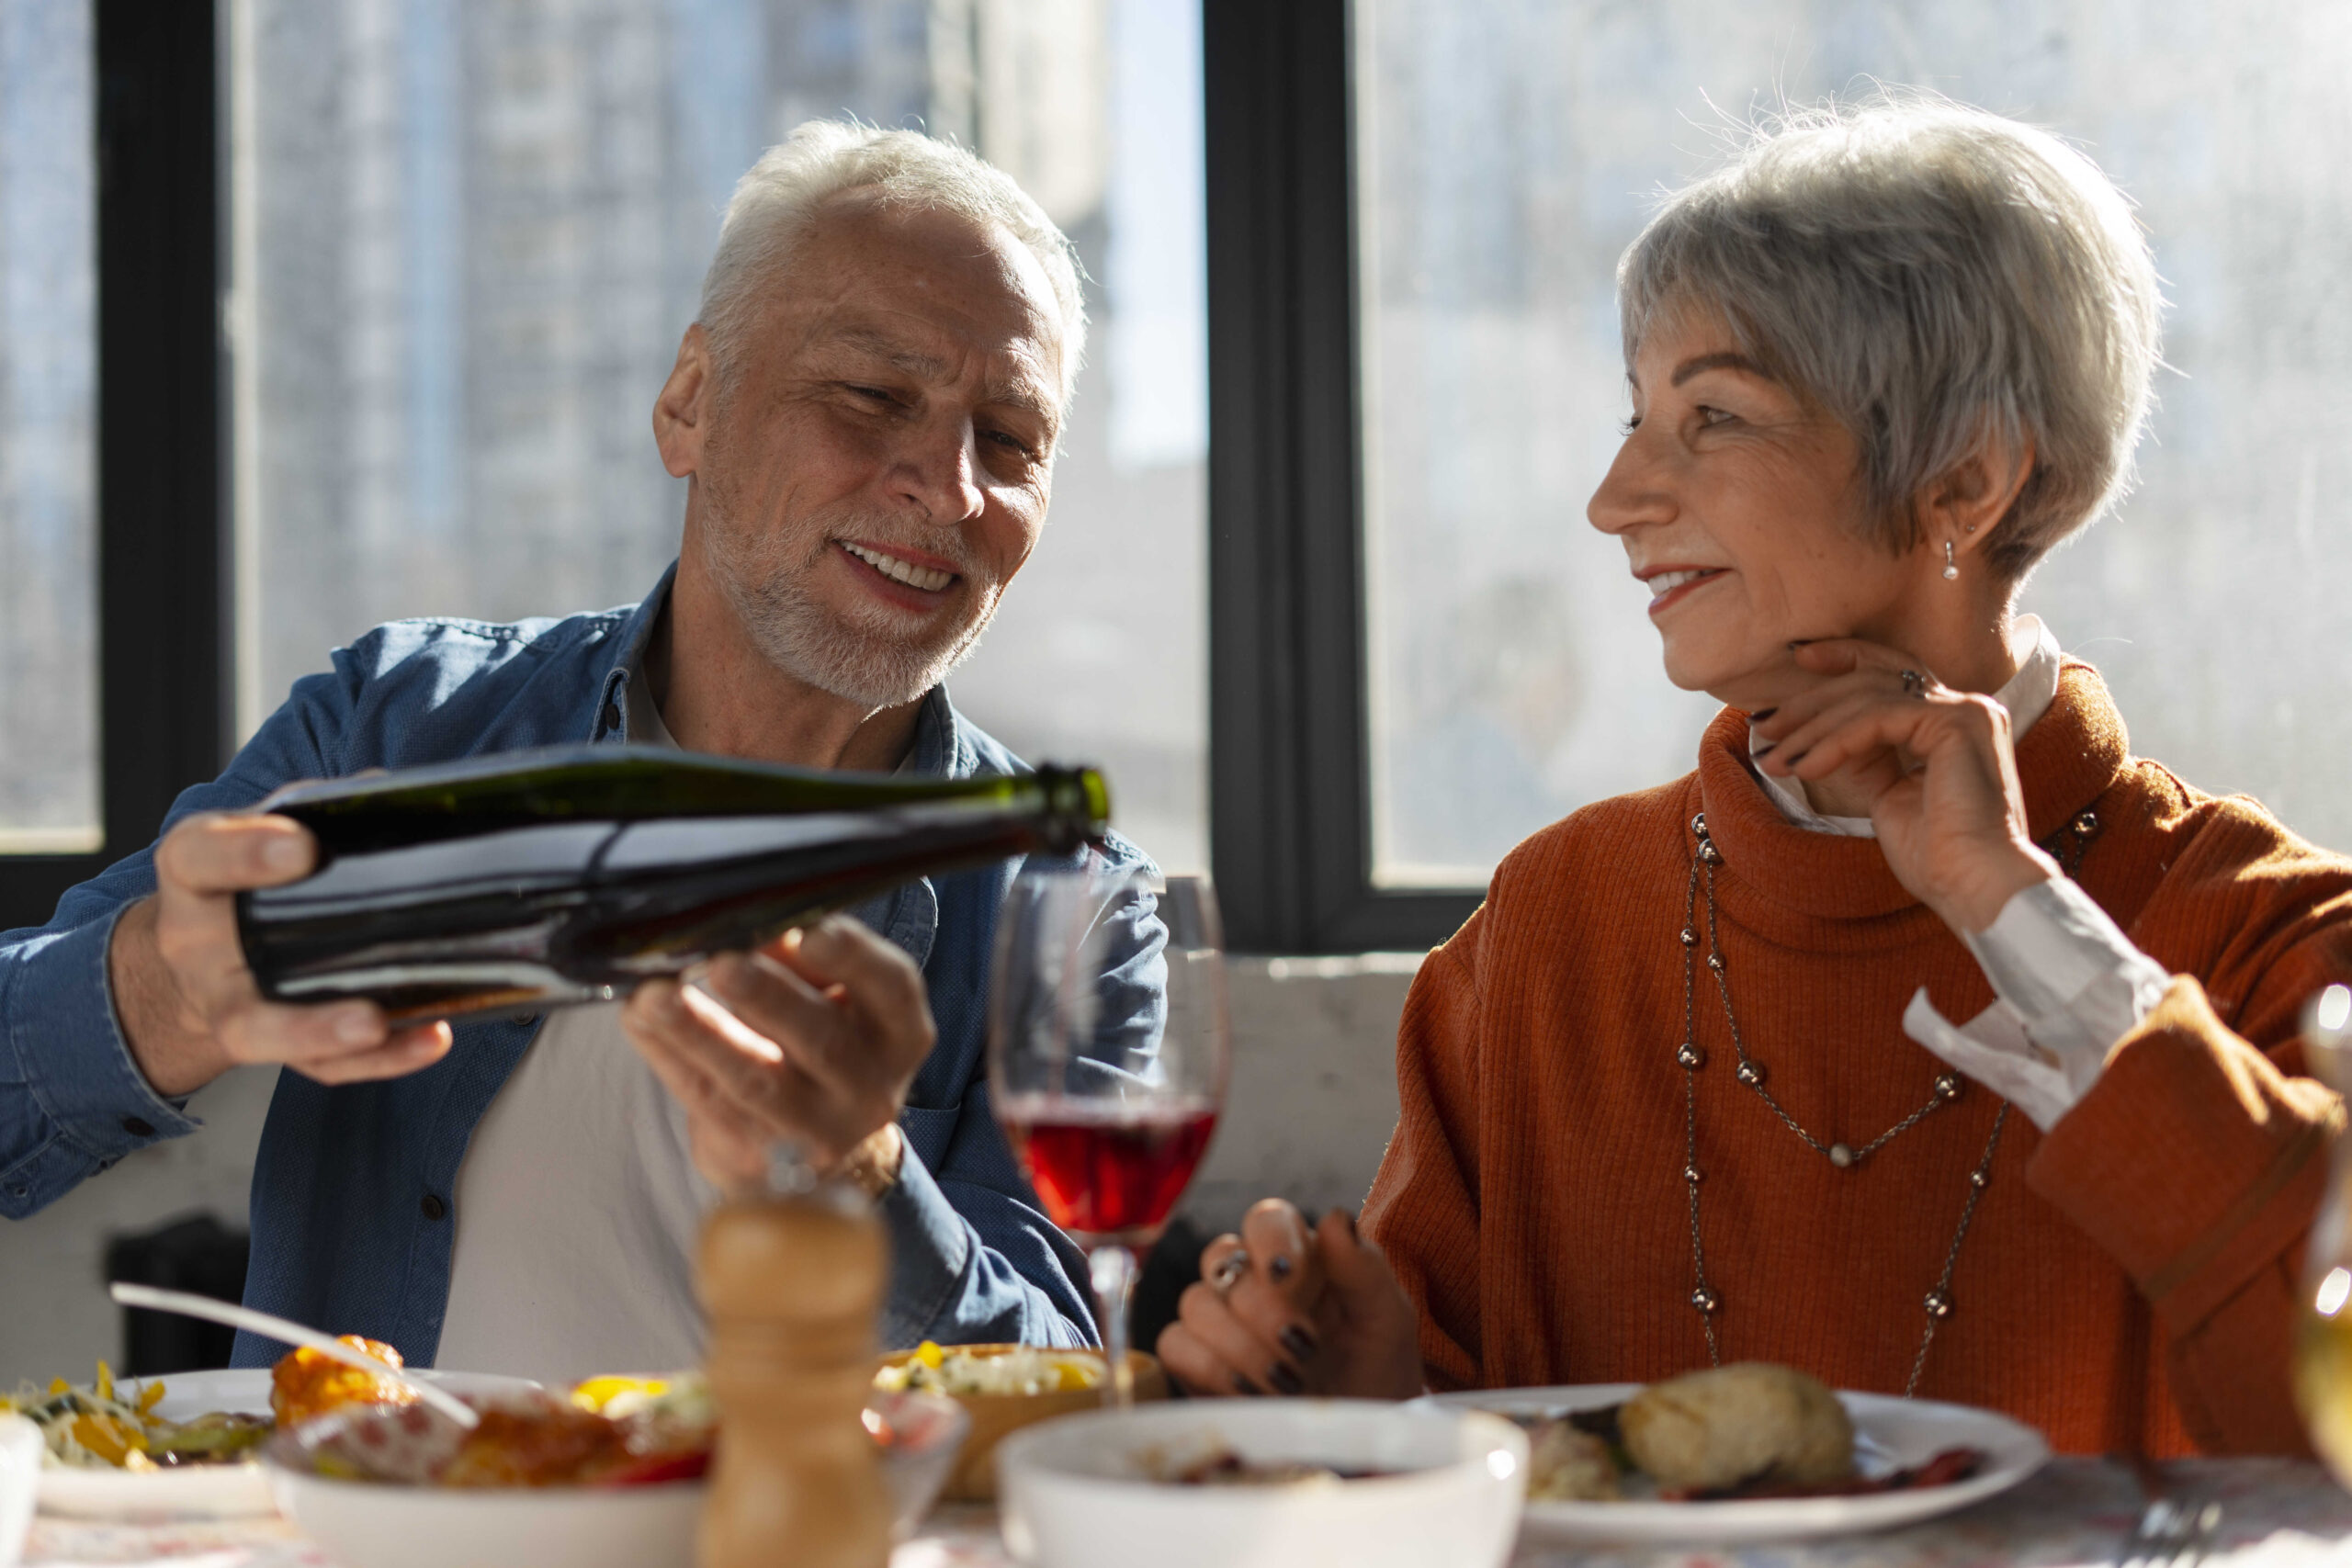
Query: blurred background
458, 244
464, 241
1507, 152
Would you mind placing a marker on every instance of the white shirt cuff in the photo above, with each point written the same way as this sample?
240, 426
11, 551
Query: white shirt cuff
2069, 984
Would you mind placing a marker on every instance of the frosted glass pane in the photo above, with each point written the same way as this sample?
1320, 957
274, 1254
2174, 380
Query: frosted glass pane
49, 678
1515, 674
472, 235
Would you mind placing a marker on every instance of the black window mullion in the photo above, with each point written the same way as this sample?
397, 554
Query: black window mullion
1290, 795
163, 687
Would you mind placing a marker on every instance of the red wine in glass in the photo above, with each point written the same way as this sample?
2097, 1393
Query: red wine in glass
1106, 1171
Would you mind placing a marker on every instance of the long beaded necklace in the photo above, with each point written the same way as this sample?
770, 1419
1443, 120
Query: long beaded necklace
1750, 1072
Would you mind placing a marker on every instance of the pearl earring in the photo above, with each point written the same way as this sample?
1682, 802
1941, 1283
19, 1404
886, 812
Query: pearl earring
1951, 567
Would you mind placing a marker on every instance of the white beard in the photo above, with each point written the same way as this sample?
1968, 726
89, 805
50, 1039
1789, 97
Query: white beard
862, 655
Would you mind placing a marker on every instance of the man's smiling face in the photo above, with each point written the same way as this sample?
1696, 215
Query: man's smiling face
878, 464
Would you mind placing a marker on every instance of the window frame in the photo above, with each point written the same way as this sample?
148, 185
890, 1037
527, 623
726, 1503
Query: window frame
1290, 803
1290, 792
164, 711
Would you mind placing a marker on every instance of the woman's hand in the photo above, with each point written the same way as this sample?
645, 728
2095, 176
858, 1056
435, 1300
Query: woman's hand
1283, 1308
1934, 768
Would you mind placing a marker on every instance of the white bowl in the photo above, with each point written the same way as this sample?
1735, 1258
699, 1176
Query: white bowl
1079, 1492
20, 1450
371, 1524
382, 1523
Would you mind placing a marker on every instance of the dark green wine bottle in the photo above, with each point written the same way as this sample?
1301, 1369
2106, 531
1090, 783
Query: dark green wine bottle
516, 882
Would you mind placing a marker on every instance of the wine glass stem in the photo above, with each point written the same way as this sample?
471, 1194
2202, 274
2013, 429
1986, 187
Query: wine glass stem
1113, 1268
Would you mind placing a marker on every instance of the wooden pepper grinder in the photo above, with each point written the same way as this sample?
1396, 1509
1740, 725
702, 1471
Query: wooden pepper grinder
791, 1280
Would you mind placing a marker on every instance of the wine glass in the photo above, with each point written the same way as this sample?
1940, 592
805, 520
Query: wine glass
2324, 1332
1109, 1041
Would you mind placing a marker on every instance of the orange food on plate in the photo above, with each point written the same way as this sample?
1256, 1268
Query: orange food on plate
307, 1384
558, 1446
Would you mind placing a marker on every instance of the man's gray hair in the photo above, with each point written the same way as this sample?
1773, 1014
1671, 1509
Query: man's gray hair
776, 201
1928, 273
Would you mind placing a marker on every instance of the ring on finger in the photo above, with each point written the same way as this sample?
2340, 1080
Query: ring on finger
1229, 1272
1915, 684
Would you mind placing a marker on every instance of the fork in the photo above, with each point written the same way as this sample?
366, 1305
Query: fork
2176, 1529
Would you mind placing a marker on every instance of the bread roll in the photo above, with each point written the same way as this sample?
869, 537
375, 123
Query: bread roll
1748, 1422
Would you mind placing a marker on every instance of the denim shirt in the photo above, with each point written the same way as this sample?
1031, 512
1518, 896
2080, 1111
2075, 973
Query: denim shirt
353, 1186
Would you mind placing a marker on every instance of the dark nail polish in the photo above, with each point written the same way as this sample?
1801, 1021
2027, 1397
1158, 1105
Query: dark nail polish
1280, 1266
1801, 756
1287, 1380
1299, 1341
1761, 714
1241, 1385
1763, 751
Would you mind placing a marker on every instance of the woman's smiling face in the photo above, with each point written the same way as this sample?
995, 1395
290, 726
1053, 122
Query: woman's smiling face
1739, 507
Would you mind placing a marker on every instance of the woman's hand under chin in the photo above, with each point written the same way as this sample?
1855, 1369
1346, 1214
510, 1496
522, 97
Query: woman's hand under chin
1933, 767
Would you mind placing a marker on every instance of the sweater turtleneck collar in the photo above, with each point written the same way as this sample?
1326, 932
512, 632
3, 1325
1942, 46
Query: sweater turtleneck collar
2065, 763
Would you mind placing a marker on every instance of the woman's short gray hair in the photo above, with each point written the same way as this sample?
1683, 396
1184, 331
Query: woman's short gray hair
776, 201
1929, 275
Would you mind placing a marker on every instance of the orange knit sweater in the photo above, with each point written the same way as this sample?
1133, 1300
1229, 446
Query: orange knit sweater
2131, 1277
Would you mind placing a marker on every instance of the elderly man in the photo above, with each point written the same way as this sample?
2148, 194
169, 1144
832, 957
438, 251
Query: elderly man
866, 414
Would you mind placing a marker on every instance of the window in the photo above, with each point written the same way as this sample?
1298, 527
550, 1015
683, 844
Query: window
469, 237
1490, 656
50, 800
1513, 674
109, 444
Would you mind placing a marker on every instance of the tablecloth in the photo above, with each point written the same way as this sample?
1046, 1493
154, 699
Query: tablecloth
2276, 1513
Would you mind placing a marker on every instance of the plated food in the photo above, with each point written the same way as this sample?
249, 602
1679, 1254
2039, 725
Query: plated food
1749, 1428
1223, 1467
230, 1488
966, 1370
608, 1476
1005, 1388
1749, 1452
306, 1384
98, 1425
105, 1426
606, 1432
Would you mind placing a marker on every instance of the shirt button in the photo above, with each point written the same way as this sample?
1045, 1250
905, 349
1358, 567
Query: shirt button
137, 1127
432, 1206
612, 715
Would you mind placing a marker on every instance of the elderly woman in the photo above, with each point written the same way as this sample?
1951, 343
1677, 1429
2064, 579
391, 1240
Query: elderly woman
1922, 1037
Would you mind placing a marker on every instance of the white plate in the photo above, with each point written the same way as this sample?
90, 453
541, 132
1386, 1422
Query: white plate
201, 1491
1889, 1434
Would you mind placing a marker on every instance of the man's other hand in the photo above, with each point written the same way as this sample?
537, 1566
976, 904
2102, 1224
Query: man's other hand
814, 1037
189, 1008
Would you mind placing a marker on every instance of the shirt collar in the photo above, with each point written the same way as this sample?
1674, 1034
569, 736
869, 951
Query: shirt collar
610, 723
2027, 695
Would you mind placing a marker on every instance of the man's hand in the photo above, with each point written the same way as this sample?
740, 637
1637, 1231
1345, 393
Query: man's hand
814, 1037
1284, 1308
1936, 766
189, 1006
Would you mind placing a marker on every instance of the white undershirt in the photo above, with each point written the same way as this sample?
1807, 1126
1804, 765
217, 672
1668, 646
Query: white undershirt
578, 1204
2067, 983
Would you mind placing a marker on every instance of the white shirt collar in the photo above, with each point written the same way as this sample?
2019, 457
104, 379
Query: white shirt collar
2027, 695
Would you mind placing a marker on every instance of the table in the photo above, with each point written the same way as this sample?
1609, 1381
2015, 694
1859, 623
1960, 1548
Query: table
2277, 1514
